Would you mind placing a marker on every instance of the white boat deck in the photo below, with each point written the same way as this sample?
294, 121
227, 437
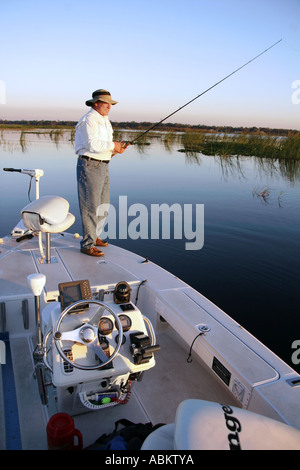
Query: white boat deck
152, 399
253, 372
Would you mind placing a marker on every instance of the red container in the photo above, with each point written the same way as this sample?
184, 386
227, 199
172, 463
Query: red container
61, 433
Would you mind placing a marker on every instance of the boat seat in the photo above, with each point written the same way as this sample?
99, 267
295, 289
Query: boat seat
49, 214
204, 425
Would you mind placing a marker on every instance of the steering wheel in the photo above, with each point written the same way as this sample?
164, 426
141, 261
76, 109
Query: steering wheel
87, 334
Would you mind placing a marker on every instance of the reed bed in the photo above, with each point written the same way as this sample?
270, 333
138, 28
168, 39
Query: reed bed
245, 145
290, 147
192, 142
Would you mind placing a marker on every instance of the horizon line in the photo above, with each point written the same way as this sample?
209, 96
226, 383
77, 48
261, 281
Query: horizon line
132, 123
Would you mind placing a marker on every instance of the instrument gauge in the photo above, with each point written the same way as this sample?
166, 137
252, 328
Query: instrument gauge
104, 344
125, 322
105, 326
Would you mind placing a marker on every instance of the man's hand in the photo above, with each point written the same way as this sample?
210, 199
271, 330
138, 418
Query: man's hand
120, 147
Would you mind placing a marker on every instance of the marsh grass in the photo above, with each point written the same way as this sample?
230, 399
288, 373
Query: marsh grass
264, 194
290, 147
241, 144
23, 141
169, 139
193, 143
56, 135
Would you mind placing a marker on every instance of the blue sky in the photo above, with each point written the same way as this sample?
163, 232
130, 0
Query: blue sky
153, 56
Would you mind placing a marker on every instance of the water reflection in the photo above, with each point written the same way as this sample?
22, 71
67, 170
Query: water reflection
20, 141
230, 165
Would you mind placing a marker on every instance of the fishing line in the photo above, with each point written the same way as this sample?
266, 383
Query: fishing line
208, 89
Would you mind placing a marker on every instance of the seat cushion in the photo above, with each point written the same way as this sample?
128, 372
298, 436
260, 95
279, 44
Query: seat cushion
204, 425
51, 209
48, 214
59, 227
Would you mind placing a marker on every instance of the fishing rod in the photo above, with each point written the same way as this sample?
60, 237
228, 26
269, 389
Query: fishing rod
201, 94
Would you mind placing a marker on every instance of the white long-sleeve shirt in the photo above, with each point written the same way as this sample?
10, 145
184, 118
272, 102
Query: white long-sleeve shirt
94, 136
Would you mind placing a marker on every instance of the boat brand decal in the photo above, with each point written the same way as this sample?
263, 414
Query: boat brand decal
234, 426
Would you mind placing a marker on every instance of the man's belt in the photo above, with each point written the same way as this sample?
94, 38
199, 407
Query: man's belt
93, 159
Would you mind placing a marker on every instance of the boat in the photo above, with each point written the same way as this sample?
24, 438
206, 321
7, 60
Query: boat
92, 347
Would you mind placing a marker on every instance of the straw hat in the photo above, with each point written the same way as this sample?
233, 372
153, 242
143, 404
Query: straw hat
100, 95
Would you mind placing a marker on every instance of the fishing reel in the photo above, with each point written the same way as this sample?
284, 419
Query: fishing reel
125, 144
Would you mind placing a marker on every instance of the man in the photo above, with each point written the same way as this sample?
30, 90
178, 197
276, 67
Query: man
95, 147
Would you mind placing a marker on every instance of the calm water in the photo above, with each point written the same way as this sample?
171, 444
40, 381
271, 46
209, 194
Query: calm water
249, 264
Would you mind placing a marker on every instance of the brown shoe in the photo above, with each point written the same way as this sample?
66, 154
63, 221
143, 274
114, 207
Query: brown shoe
92, 251
100, 242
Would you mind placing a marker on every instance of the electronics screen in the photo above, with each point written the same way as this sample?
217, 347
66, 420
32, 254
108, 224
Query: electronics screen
70, 292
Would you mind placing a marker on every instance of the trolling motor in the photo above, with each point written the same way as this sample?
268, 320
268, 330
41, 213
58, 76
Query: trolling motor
48, 214
36, 174
20, 230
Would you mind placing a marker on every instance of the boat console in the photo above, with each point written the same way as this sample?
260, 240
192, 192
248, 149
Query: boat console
95, 349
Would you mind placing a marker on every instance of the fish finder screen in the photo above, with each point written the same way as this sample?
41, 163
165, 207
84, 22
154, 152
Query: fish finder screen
72, 294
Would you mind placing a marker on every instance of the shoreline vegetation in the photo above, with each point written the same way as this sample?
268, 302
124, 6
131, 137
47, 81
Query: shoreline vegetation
141, 126
209, 140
